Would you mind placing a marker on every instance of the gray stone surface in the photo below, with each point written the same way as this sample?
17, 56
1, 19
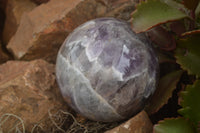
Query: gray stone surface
105, 71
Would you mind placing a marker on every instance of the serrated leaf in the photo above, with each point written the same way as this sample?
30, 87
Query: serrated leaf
175, 4
152, 13
188, 55
191, 4
164, 91
190, 99
178, 1
178, 125
190, 33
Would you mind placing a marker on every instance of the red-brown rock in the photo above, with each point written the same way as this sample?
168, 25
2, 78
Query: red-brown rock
2, 19
40, 1
138, 124
115, 3
121, 9
28, 90
3, 4
14, 11
3, 56
43, 30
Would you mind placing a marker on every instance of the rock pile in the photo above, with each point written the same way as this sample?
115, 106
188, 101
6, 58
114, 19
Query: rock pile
32, 33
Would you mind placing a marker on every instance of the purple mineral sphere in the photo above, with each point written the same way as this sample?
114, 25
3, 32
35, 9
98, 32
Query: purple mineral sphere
105, 71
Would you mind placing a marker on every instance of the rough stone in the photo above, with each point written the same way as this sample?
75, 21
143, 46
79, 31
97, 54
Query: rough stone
138, 124
28, 90
40, 1
2, 18
43, 30
3, 4
122, 12
120, 9
115, 3
3, 56
14, 11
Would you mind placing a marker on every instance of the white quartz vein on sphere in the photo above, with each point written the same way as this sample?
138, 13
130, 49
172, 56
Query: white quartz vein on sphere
83, 79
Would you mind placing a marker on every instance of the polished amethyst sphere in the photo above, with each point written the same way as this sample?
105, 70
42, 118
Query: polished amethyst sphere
105, 71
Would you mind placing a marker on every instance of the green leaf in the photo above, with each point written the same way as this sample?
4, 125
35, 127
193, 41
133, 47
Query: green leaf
152, 13
191, 4
178, 125
178, 1
191, 33
188, 53
164, 91
190, 99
